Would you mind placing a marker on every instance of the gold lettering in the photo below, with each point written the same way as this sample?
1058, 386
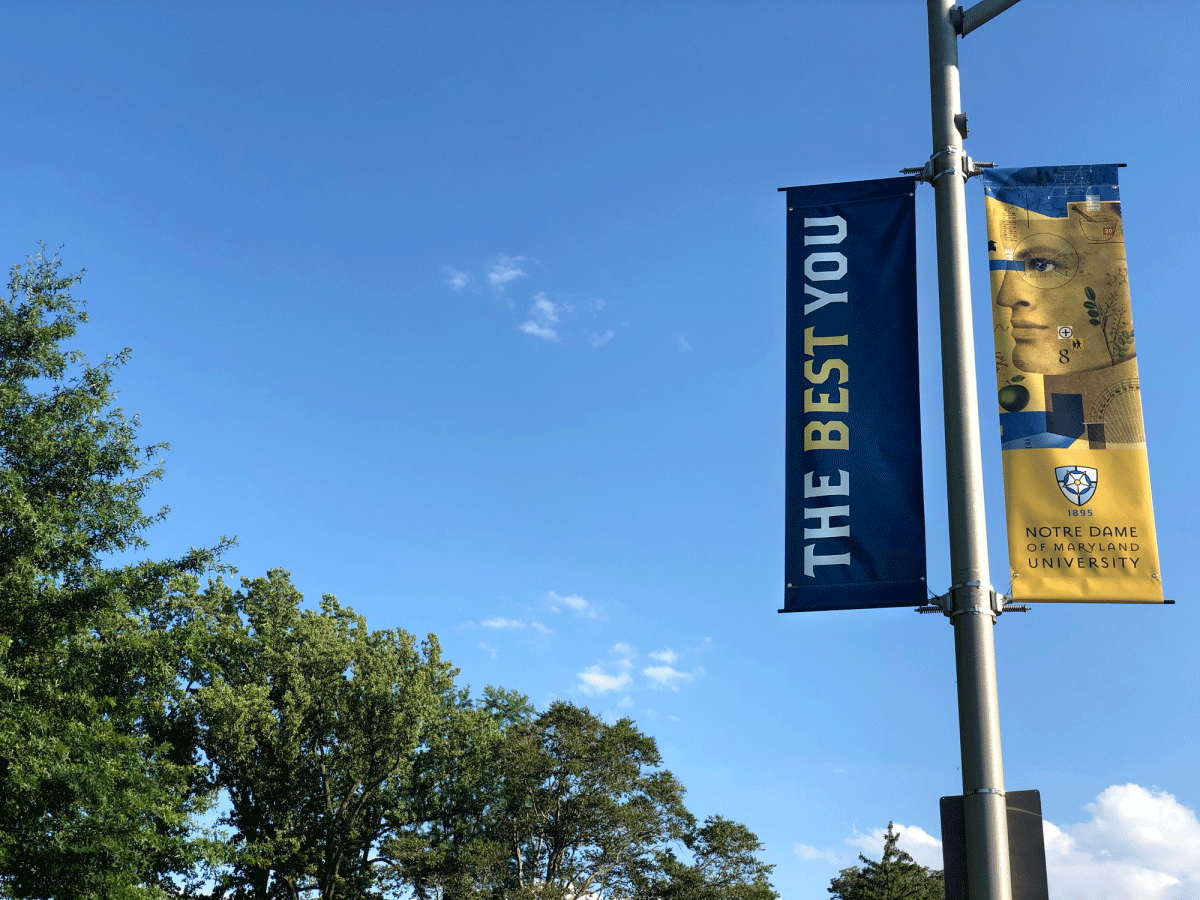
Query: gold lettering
811, 340
821, 436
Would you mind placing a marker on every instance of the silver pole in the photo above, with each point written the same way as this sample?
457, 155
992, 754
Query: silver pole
972, 614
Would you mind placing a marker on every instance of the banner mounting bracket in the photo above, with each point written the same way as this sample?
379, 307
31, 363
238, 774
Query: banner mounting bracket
997, 606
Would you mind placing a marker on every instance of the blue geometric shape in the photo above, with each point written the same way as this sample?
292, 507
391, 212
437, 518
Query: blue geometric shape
1065, 415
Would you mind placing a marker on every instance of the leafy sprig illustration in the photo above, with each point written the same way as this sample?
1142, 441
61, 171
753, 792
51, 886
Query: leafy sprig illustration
1111, 320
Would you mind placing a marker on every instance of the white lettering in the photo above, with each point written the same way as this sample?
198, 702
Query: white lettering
825, 513
838, 261
823, 298
812, 560
812, 489
839, 230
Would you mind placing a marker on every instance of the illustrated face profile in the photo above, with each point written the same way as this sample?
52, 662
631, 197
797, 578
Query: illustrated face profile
1066, 291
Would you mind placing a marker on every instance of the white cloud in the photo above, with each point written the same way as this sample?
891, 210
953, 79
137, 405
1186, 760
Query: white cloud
573, 602
1140, 843
667, 656
543, 316
504, 270
597, 681
456, 279
515, 624
916, 841
541, 331
683, 343
804, 851
600, 338
665, 676
622, 649
488, 649
626, 701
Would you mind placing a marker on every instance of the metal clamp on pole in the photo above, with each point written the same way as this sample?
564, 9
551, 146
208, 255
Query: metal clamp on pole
967, 167
944, 603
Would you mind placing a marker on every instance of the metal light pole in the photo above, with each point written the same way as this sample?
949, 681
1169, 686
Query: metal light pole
971, 603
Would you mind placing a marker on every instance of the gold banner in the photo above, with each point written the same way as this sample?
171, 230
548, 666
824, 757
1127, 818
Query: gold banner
1076, 482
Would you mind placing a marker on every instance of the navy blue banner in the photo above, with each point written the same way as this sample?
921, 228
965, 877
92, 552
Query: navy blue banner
855, 529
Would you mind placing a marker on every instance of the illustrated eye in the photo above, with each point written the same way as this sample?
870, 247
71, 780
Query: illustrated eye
1047, 261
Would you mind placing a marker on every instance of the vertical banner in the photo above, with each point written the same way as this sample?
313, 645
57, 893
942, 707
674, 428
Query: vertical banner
1076, 482
855, 518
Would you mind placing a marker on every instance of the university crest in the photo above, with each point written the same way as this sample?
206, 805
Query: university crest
1077, 483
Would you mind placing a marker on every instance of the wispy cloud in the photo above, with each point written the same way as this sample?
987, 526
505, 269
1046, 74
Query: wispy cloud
806, 852
456, 279
600, 338
573, 602
683, 343
666, 677
515, 624
504, 270
597, 681
667, 656
543, 316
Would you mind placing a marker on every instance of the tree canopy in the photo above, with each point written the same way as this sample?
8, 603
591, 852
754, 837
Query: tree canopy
338, 762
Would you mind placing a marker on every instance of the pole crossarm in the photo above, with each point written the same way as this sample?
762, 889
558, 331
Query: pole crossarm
966, 21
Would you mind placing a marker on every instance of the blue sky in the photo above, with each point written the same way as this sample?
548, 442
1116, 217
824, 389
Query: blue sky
472, 314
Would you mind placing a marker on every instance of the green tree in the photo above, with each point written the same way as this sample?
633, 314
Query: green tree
562, 805
312, 723
895, 877
724, 866
350, 765
454, 843
584, 804
98, 767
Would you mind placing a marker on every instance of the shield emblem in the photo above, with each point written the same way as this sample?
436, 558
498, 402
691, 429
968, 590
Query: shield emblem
1077, 483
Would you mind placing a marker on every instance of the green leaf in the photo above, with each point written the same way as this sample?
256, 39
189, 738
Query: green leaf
1016, 378
1091, 295
1088, 304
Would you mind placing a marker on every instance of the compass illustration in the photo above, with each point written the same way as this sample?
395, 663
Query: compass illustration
1050, 261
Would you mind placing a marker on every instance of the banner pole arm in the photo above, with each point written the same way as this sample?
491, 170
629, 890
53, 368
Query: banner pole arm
967, 21
973, 616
